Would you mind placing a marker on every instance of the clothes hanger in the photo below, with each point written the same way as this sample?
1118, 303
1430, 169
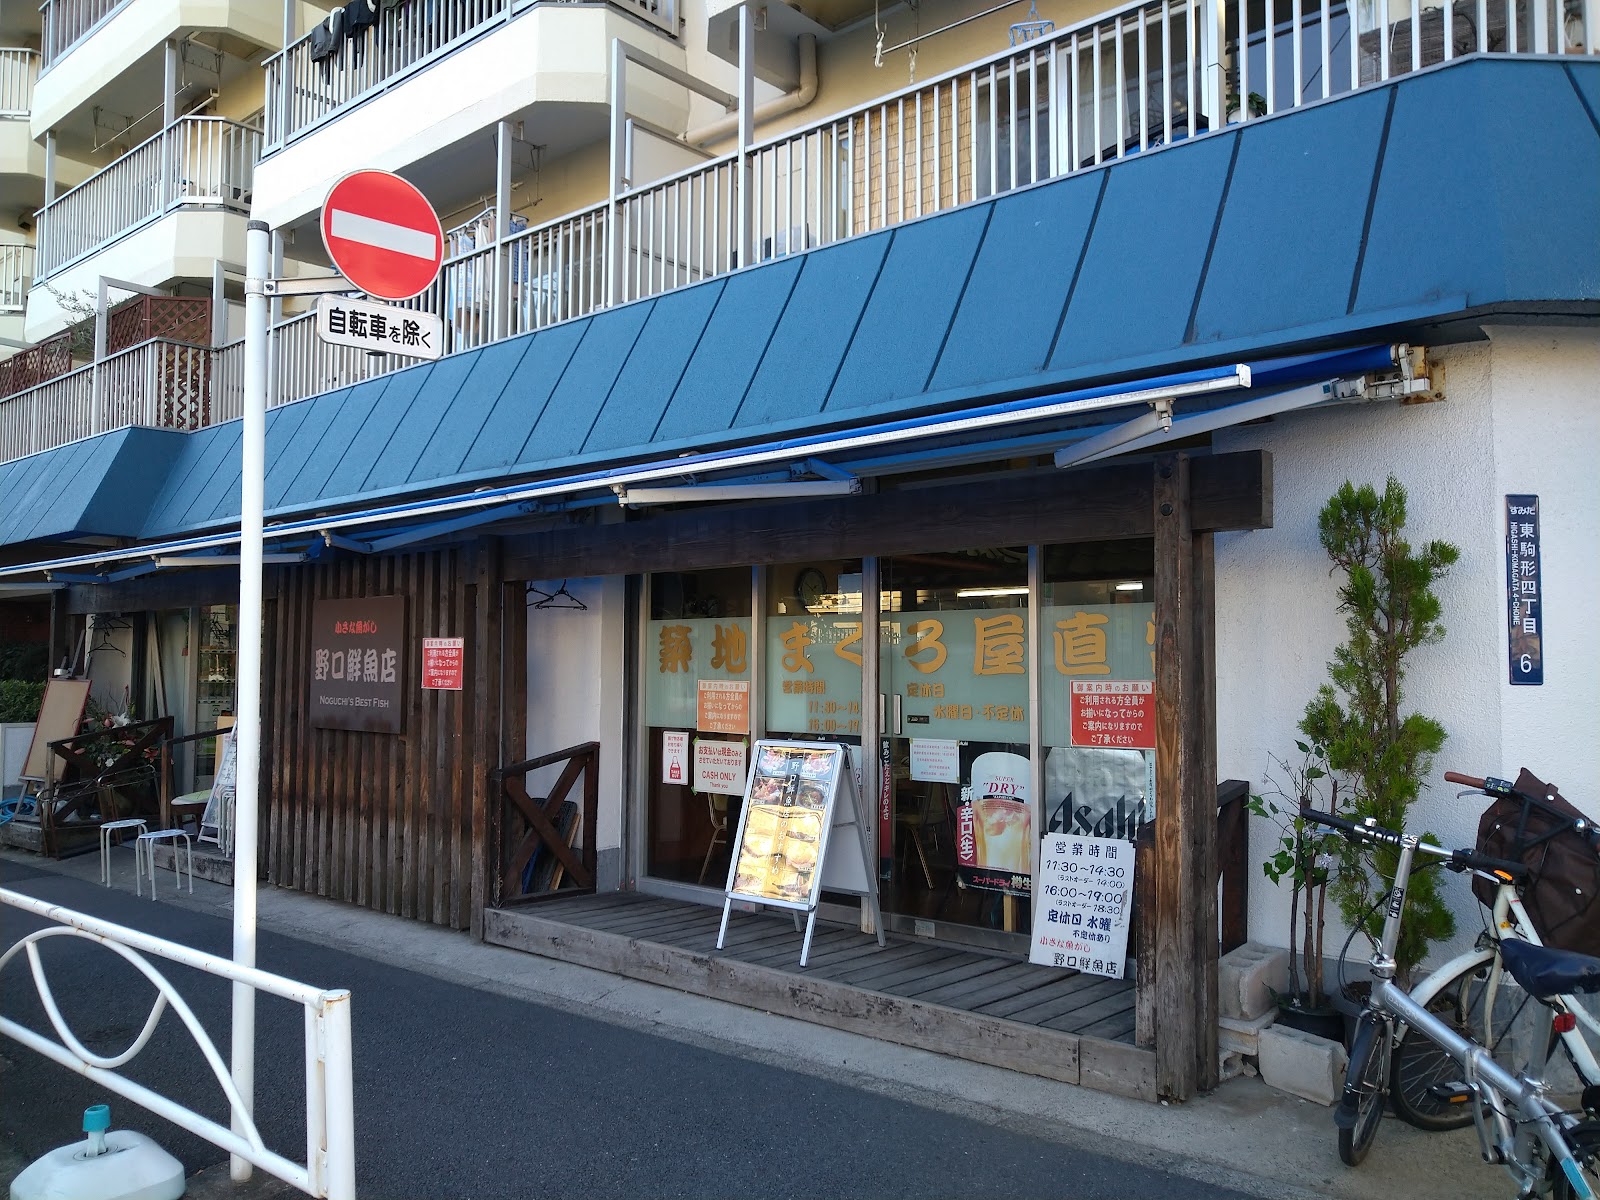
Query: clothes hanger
560, 598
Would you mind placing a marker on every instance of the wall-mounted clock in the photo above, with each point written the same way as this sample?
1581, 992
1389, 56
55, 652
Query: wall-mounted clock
810, 586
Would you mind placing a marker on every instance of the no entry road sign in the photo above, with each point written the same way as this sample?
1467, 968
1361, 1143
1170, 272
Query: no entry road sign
382, 234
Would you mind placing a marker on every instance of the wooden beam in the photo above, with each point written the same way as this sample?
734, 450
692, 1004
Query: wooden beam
1176, 883
487, 686
1200, 800
1230, 491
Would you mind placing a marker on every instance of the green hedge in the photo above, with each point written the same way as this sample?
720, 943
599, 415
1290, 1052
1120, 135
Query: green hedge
20, 700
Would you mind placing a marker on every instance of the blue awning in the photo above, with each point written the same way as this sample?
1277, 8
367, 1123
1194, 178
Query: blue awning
992, 429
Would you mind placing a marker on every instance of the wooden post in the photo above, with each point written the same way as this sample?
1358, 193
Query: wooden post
487, 683
1185, 922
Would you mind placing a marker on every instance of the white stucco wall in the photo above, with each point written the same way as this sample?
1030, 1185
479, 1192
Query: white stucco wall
1521, 415
576, 675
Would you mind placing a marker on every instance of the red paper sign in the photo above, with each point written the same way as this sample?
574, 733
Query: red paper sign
443, 663
1115, 714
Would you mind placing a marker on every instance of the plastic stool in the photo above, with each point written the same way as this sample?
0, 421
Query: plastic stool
106, 830
149, 840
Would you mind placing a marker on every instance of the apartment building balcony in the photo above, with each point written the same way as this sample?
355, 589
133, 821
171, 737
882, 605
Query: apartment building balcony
100, 52
16, 272
168, 209
1078, 123
417, 87
22, 159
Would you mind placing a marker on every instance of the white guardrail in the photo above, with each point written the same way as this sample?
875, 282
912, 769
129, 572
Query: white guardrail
329, 1169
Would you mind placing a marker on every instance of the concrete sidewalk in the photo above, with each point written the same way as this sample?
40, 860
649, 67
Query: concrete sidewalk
1244, 1135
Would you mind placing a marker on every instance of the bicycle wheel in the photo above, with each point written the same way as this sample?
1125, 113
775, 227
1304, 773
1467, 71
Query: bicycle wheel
1421, 1070
1365, 1084
1585, 1142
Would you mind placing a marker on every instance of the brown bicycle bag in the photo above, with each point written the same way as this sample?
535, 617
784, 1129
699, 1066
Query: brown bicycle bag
1541, 829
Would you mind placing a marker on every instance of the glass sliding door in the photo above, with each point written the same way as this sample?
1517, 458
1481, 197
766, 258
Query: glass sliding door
697, 663
957, 852
1097, 694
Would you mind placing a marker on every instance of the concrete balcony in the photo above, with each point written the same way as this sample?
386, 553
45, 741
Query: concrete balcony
412, 95
22, 158
168, 209
105, 51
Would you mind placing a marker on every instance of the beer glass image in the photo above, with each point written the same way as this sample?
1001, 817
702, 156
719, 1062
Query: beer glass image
1004, 830
1002, 823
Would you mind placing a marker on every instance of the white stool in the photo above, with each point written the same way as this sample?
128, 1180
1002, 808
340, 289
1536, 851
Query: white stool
106, 830
148, 842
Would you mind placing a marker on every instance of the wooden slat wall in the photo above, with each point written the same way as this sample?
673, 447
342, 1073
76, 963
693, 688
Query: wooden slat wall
385, 821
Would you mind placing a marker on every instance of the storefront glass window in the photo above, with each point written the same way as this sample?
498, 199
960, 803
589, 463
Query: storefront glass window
696, 666
215, 681
954, 662
1097, 693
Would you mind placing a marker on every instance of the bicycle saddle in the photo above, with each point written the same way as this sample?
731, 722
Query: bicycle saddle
1544, 971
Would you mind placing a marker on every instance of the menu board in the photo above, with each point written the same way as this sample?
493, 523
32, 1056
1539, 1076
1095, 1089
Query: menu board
787, 804
798, 793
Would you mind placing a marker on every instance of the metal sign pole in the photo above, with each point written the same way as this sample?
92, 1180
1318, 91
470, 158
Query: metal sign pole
247, 725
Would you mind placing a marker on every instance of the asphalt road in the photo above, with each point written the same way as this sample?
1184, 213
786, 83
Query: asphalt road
462, 1092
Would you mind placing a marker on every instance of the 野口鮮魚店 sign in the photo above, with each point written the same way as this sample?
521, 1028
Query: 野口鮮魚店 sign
357, 663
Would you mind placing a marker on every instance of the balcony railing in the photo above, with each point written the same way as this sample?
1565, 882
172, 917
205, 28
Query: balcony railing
196, 161
19, 67
66, 22
318, 75
1124, 83
158, 383
16, 269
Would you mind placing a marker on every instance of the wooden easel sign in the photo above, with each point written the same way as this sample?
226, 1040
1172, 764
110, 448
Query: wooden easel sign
797, 795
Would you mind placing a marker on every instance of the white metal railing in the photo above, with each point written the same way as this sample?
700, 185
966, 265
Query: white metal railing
19, 67
1122, 83
65, 22
205, 161
16, 271
159, 383
329, 1167
319, 74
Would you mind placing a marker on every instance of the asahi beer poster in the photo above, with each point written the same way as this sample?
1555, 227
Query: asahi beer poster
1095, 792
358, 650
994, 826
1081, 919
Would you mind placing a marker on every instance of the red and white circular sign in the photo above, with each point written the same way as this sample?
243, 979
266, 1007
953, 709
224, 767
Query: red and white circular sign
382, 234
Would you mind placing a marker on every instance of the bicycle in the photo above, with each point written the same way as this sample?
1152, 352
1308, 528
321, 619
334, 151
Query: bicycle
1467, 992
1546, 1150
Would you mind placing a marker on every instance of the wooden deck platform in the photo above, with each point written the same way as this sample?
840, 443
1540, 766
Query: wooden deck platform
968, 1004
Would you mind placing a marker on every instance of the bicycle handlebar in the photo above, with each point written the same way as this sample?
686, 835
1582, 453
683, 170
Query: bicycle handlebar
1456, 860
1470, 781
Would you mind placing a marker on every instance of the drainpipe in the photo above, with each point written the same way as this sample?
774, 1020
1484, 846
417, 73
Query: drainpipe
803, 95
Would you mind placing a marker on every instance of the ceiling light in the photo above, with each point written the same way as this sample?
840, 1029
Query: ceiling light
967, 593
1131, 586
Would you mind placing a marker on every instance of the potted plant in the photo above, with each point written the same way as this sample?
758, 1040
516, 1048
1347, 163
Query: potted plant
1381, 753
1308, 857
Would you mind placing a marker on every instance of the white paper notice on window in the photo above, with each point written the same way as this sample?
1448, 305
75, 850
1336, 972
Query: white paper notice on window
934, 760
1082, 896
675, 757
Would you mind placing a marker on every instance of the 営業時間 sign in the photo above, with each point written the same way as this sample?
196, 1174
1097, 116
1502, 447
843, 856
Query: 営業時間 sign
357, 666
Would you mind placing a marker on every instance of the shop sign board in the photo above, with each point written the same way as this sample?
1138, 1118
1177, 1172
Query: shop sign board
1524, 591
1114, 713
674, 757
994, 825
443, 663
722, 706
719, 767
357, 663
798, 796
1081, 919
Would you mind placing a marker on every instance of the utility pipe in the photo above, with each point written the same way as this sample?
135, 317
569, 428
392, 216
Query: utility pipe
803, 95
